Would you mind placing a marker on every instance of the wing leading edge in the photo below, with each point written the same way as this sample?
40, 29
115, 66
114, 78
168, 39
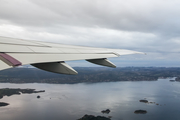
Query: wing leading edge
51, 56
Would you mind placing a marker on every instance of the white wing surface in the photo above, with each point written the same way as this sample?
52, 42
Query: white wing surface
51, 56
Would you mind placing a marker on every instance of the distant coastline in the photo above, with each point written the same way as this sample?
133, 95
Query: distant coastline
88, 75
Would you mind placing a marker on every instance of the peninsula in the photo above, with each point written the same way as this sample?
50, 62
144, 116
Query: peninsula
18, 91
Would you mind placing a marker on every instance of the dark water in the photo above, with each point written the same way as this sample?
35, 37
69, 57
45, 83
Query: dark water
70, 102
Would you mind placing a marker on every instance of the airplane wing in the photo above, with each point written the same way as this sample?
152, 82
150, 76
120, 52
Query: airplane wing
51, 56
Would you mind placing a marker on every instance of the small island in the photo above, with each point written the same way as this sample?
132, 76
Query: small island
91, 117
145, 101
172, 80
107, 111
140, 111
2, 104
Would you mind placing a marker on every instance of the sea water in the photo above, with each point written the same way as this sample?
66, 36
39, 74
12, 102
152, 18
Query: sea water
73, 101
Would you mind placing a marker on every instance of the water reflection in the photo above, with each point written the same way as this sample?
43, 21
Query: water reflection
71, 102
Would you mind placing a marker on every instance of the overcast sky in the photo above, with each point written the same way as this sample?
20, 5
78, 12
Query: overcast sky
150, 26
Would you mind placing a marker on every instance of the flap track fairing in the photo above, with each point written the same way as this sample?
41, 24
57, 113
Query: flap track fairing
56, 67
103, 62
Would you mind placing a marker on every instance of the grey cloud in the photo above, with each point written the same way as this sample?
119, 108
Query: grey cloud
23, 12
151, 26
142, 16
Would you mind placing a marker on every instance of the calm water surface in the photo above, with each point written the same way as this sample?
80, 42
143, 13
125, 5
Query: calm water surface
72, 101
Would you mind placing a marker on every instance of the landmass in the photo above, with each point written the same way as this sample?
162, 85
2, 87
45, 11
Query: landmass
88, 75
2, 104
177, 79
145, 101
91, 117
172, 80
140, 111
107, 111
18, 91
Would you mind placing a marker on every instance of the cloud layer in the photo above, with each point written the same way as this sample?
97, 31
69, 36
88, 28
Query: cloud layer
149, 26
